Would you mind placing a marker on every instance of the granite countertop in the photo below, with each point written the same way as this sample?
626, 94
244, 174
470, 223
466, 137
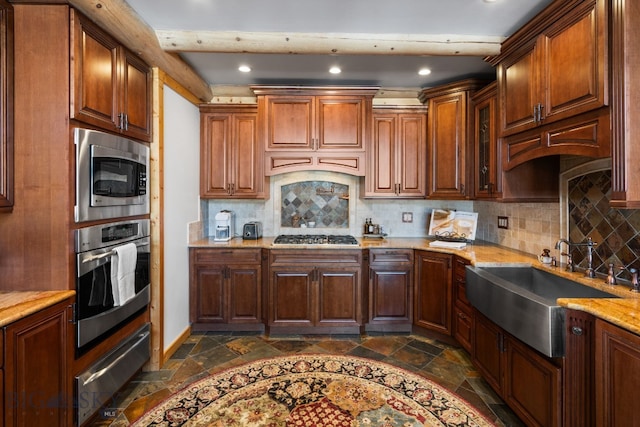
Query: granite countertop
623, 311
16, 305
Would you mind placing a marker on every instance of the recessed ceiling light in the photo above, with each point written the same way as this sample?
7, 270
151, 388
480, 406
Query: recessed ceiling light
424, 71
489, 1
335, 70
244, 68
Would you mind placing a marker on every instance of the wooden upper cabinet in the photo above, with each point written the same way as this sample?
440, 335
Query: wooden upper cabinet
314, 128
6, 106
111, 86
231, 164
397, 154
487, 170
448, 138
557, 73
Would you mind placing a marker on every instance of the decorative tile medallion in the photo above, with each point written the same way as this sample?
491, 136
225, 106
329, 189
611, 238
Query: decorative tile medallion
321, 202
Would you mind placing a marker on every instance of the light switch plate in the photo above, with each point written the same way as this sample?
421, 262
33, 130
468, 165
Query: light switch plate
407, 216
503, 222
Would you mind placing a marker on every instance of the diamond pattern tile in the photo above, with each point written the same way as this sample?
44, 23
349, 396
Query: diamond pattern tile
615, 230
326, 203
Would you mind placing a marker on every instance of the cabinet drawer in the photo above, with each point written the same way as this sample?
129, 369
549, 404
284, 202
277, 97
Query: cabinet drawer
460, 293
320, 256
226, 256
390, 255
459, 268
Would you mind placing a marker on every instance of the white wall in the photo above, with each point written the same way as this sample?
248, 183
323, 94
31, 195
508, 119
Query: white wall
182, 202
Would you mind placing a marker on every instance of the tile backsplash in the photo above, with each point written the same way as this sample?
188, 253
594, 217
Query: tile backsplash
616, 231
332, 201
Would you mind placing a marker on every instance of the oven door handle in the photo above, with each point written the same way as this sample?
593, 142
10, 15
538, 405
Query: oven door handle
106, 254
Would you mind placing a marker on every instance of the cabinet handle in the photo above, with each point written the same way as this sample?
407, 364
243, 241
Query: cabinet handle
575, 330
120, 123
126, 121
540, 117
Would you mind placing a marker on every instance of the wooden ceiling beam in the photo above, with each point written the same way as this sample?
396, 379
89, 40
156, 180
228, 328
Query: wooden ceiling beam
123, 23
328, 43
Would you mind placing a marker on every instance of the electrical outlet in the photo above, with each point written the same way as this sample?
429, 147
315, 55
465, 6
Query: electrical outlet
503, 222
407, 216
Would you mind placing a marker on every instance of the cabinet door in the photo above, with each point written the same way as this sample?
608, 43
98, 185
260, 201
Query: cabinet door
390, 293
338, 296
111, 86
397, 155
574, 77
517, 90
231, 157
447, 150
215, 155
291, 297
95, 71
340, 123
532, 386
433, 294
382, 176
617, 362
208, 294
487, 167
412, 154
247, 156
289, 122
37, 374
245, 293
135, 96
487, 347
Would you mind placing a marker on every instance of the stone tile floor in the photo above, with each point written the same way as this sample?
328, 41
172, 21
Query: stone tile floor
205, 353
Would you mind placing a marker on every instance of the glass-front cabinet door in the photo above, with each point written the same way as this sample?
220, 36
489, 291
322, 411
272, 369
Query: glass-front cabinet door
486, 147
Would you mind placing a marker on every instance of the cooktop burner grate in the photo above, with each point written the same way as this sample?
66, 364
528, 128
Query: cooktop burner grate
315, 239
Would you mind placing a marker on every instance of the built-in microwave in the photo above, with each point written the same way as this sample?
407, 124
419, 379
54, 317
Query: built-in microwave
111, 176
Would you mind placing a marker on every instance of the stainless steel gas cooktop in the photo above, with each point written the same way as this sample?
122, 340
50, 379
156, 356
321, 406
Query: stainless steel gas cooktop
314, 239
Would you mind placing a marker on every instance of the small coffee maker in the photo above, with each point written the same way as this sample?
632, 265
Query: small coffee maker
224, 226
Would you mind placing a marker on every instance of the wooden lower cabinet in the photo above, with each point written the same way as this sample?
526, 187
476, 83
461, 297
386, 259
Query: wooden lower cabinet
38, 350
315, 291
528, 382
390, 290
578, 371
487, 351
617, 375
432, 291
532, 385
226, 289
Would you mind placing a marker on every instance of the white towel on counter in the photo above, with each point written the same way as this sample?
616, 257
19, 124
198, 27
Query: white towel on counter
123, 273
448, 245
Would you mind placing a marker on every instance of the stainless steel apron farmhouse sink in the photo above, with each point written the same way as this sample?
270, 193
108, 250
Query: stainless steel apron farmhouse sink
522, 301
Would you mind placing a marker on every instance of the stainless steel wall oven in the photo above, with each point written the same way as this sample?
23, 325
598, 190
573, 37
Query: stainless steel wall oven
101, 253
97, 312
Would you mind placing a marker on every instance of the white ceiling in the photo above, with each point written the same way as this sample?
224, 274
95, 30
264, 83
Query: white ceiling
329, 21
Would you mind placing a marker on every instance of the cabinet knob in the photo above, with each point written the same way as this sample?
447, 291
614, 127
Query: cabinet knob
575, 330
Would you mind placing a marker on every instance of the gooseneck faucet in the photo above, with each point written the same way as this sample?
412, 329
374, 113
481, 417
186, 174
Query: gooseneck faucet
590, 244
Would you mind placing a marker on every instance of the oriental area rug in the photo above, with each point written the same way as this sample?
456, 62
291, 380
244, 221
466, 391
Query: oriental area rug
314, 390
